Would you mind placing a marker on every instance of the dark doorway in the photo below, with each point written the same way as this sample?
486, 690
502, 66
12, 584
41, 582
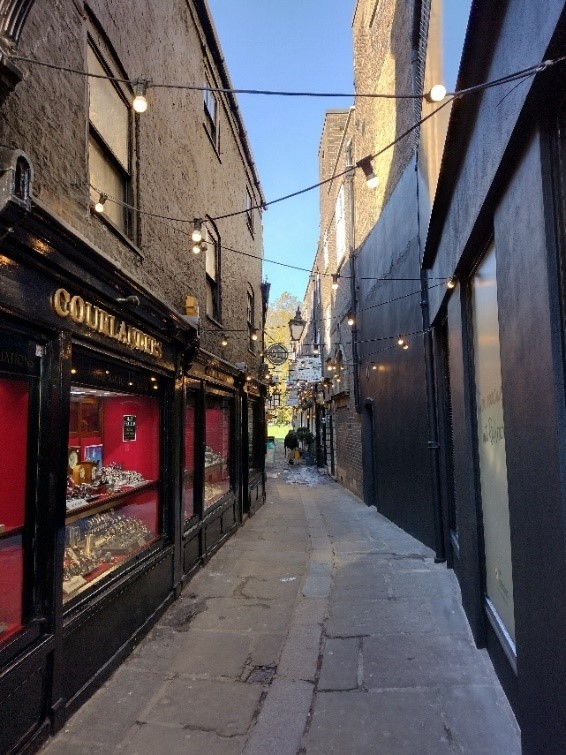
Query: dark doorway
368, 454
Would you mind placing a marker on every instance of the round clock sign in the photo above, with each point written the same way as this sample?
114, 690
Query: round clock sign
276, 354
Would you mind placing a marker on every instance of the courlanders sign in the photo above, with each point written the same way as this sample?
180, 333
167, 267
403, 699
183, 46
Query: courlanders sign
82, 312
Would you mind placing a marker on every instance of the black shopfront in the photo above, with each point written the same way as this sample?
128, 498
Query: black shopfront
121, 460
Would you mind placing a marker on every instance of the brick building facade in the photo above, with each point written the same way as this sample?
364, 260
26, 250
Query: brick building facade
182, 161
137, 439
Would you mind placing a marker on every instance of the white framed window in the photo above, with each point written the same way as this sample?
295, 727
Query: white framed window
340, 222
109, 139
250, 315
327, 328
211, 112
249, 210
213, 274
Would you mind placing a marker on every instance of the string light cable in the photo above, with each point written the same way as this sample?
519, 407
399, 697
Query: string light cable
109, 198
529, 71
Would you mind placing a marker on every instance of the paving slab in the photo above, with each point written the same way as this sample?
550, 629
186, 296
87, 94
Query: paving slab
351, 617
282, 720
227, 708
396, 722
245, 615
421, 660
213, 654
154, 739
340, 665
299, 659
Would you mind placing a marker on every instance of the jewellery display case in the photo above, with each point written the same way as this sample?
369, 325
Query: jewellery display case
217, 454
14, 416
112, 505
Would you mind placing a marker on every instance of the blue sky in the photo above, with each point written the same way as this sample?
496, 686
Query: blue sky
297, 45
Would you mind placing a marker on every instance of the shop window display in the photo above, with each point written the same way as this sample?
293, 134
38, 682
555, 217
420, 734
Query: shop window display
189, 465
112, 484
252, 436
217, 457
14, 414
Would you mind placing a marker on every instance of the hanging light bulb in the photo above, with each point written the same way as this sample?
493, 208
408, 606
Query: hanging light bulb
451, 283
253, 334
405, 346
140, 102
350, 320
200, 247
197, 230
335, 277
99, 206
436, 94
401, 341
371, 179
224, 341
315, 350
374, 367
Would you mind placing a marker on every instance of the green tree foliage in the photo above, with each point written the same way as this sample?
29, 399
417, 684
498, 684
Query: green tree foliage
279, 313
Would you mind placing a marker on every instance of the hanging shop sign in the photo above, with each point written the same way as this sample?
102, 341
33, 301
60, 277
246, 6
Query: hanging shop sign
277, 354
308, 369
92, 317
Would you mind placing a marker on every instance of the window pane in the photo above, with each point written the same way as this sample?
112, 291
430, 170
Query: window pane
211, 258
217, 451
189, 471
105, 176
108, 112
491, 442
112, 487
212, 299
14, 403
340, 222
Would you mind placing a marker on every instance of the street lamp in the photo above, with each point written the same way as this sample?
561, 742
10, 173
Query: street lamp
297, 325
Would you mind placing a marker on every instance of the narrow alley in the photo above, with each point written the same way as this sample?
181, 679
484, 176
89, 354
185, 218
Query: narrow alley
319, 627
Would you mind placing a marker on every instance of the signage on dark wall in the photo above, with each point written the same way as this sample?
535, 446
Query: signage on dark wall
130, 427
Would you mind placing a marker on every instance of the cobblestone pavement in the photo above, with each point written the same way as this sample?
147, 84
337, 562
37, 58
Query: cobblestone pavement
318, 628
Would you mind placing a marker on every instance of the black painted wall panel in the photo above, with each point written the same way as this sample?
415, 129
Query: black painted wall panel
532, 373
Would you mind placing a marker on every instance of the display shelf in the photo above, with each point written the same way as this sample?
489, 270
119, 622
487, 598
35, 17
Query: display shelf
10, 532
106, 501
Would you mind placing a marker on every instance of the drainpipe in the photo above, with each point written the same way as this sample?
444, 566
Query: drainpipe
433, 441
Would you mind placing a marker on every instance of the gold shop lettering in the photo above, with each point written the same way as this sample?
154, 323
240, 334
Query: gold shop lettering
84, 313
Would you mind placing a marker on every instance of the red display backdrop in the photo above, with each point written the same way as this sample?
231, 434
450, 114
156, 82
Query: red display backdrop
141, 454
11, 585
218, 430
14, 409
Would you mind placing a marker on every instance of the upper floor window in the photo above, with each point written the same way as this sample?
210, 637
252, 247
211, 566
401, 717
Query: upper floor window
250, 308
340, 221
249, 210
211, 116
109, 140
325, 250
212, 274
